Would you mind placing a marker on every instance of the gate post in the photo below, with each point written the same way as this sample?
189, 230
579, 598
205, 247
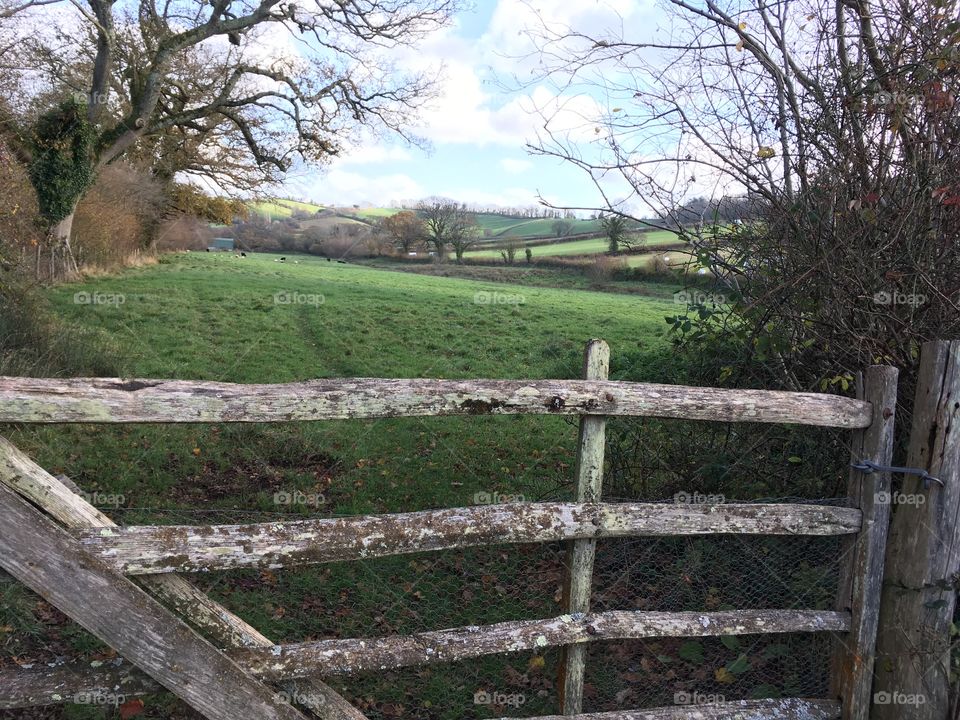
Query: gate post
576, 591
923, 557
862, 570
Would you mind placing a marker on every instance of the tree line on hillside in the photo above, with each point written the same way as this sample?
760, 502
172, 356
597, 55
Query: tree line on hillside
528, 212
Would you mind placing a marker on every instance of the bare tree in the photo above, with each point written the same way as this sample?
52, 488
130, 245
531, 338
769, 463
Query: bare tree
466, 233
187, 84
837, 122
561, 227
448, 223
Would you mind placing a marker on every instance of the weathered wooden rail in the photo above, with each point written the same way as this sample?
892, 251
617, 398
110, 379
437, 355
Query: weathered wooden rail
182, 401
149, 550
68, 551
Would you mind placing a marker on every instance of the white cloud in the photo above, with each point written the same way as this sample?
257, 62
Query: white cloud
515, 166
510, 39
472, 106
505, 197
372, 154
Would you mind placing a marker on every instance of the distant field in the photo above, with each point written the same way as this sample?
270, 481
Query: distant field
589, 246
280, 209
328, 223
499, 226
542, 227
495, 227
369, 213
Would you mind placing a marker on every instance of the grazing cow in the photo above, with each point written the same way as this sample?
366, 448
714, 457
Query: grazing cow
283, 259
243, 254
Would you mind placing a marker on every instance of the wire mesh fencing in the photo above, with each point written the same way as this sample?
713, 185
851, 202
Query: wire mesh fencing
417, 593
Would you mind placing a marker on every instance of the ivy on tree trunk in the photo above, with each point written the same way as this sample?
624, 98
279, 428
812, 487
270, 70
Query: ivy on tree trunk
61, 168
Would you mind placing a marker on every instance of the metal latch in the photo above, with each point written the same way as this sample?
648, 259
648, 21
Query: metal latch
867, 467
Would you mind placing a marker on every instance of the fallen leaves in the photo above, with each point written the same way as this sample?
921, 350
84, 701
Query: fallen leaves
131, 708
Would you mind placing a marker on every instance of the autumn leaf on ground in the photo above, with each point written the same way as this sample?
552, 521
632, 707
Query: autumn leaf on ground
536, 663
131, 708
722, 675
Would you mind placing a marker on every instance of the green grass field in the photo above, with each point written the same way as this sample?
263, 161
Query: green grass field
282, 208
496, 227
371, 213
589, 246
212, 316
499, 226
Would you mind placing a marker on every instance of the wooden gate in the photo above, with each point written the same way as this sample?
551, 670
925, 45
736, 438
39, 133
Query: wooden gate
74, 556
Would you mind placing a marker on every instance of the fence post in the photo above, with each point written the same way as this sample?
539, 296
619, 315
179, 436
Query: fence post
923, 557
590, 447
862, 570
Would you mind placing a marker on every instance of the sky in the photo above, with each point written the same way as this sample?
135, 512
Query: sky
479, 126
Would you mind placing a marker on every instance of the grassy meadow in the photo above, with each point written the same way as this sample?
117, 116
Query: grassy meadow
588, 246
214, 316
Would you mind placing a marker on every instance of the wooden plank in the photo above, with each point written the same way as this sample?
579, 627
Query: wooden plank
863, 554
923, 555
578, 581
385, 653
51, 563
142, 550
65, 683
54, 686
785, 709
345, 656
111, 400
20, 473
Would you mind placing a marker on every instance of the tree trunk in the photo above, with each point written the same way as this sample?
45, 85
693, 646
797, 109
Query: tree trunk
60, 233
